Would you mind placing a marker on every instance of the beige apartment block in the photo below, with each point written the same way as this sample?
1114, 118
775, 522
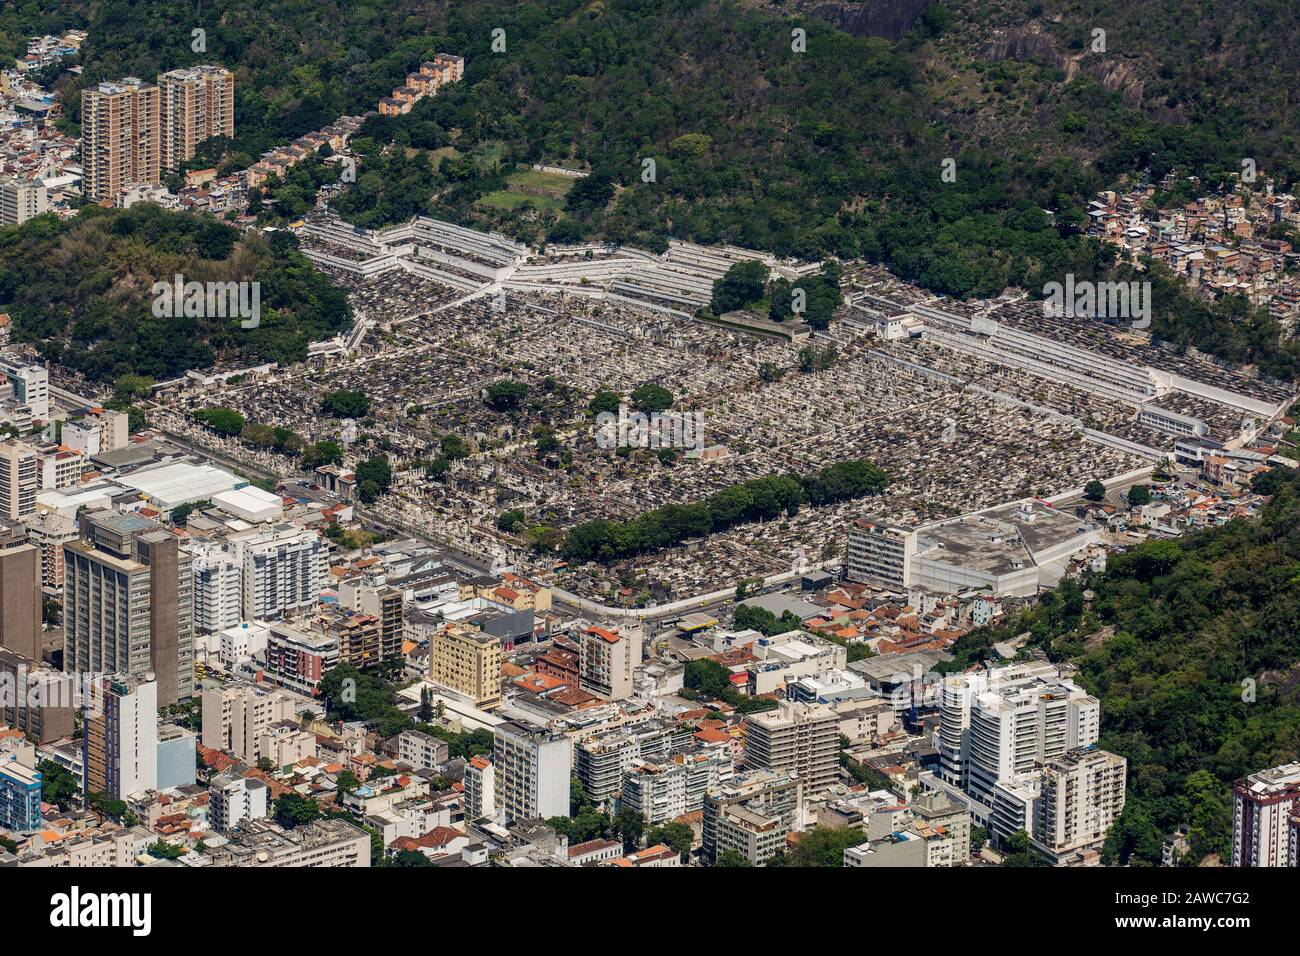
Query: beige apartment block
19, 479
795, 737
196, 103
119, 137
242, 718
468, 661
20, 595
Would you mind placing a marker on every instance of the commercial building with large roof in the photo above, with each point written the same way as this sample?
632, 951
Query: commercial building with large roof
250, 503
180, 482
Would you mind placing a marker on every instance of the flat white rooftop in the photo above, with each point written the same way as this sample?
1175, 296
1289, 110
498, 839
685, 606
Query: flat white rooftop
67, 501
470, 717
249, 502
180, 482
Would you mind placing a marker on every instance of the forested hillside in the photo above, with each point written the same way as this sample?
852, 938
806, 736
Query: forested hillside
1193, 648
836, 150
1214, 82
1210, 82
82, 291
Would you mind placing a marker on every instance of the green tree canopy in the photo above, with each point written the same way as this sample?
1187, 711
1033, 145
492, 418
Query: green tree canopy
345, 404
224, 421
742, 286
652, 398
506, 395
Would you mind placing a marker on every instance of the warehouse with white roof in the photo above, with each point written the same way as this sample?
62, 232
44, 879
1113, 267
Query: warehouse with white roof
180, 482
250, 503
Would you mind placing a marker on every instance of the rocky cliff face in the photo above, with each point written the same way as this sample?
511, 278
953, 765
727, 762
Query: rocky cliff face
1023, 45
1030, 44
1118, 75
890, 19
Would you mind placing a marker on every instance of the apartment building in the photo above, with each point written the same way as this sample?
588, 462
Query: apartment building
1015, 729
357, 636
195, 104
533, 768
420, 750
98, 430
171, 611
120, 137
236, 718
469, 661
243, 646
321, 843
20, 797
48, 532
37, 700
945, 825
20, 479
609, 661
881, 553
384, 604
31, 386
1082, 794
602, 759
1017, 747
1263, 805
22, 199
128, 602
932, 832
218, 590
298, 659
284, 744
120, 745
1003, 722
480, 789
176, 757
752, 816
236, 800
661, 791
798, 737
120, 847
443, 68
283, 570
59, 467
450, 66
20, 594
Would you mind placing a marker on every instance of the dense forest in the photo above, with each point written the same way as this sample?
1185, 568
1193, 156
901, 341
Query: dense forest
1017, 77
82, 290
1203, 84
1191, 645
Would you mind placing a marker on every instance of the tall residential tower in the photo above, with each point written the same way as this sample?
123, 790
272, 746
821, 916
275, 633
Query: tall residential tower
119, 137
129, 602
196, 103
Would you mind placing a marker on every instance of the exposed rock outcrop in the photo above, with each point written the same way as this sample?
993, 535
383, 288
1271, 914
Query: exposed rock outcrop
1030, 44
890, 19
